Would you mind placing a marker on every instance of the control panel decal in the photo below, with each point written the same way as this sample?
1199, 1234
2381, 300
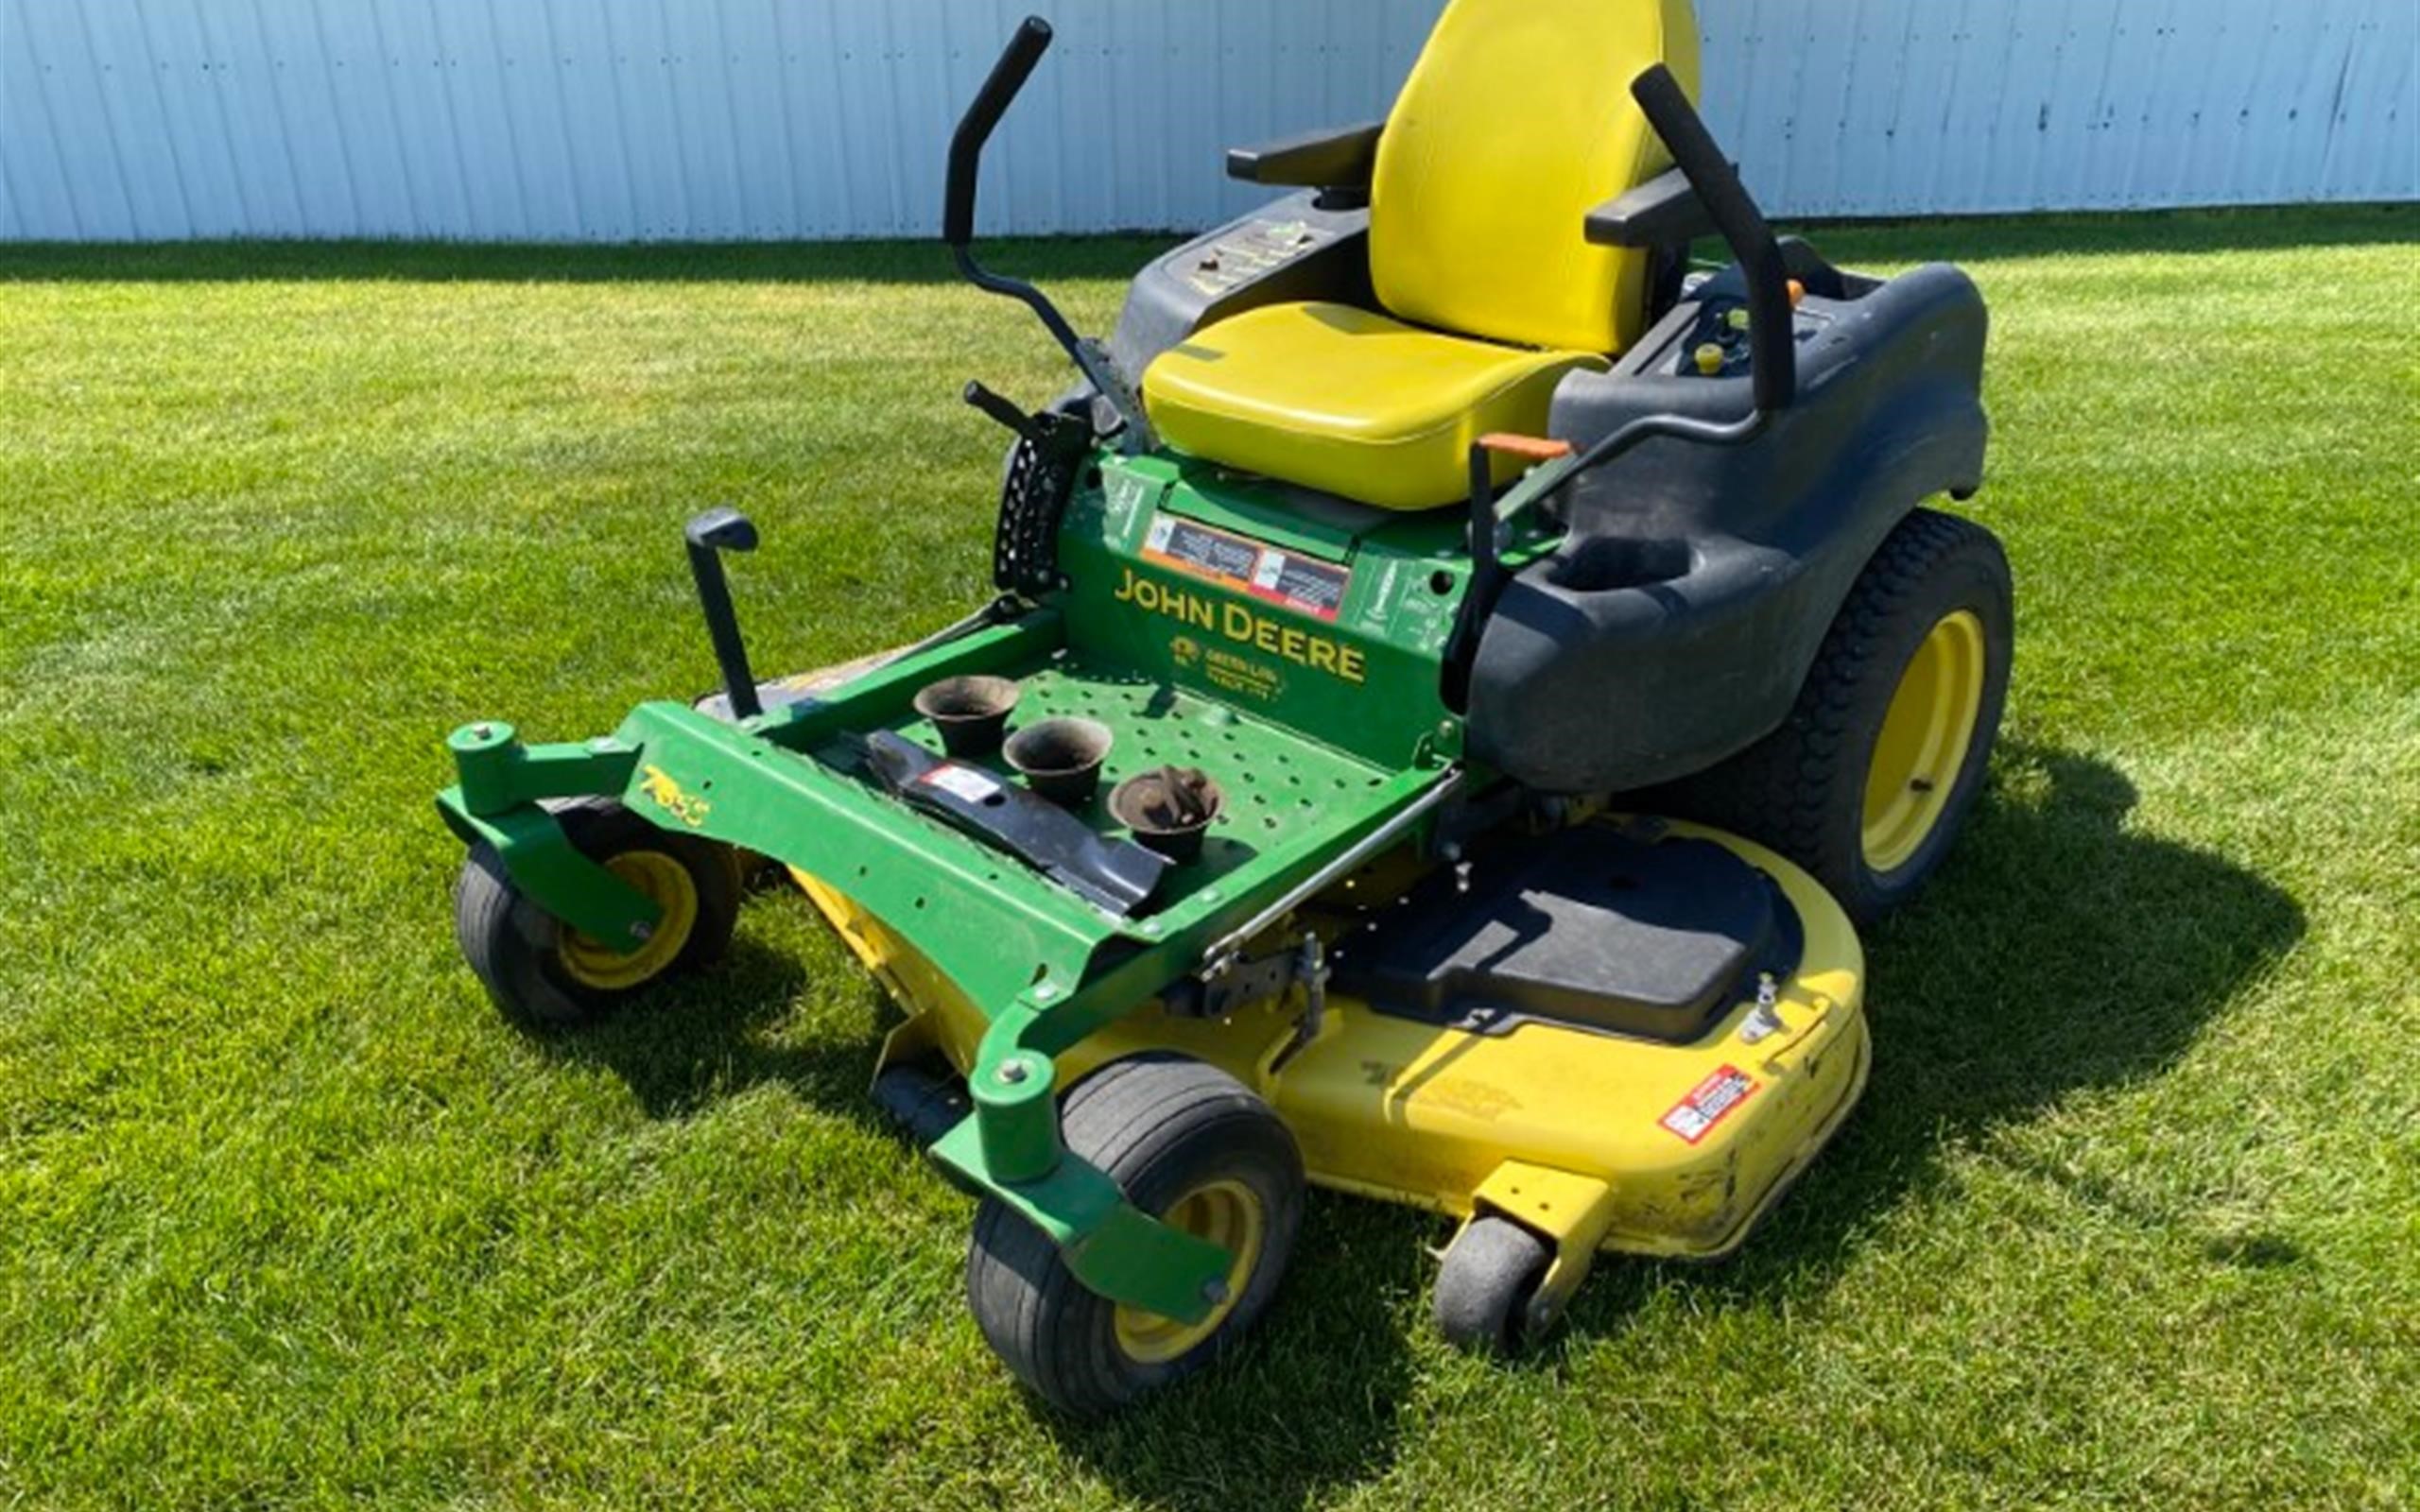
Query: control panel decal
1182, 580
1251, 252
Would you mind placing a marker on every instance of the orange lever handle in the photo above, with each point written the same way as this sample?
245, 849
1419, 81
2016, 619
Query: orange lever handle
1535, 448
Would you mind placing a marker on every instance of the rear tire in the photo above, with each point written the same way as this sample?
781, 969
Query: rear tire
542, 974
1868, 781
1186, 1143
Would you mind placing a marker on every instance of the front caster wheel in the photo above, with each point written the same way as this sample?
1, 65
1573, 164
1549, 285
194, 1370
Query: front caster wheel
1188, 1144
545, 974
1492, 1270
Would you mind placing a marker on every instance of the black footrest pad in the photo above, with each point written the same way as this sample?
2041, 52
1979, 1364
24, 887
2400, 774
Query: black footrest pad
1588, 927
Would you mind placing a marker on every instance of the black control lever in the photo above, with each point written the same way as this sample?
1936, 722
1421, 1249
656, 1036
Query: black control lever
1001, 410
1483, 538
1773, 348
1772, 335
1772, 324
709, 536
999, 91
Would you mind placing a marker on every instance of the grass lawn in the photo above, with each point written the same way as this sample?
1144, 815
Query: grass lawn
2131, 1214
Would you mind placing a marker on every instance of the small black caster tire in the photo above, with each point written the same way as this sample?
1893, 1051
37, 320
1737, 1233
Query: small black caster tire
1188, 1143
543, 974
1491, 1272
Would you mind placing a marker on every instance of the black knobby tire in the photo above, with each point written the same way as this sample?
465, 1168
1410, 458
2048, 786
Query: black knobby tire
515, 948
1802, 789
1161, 1126
1492, 1270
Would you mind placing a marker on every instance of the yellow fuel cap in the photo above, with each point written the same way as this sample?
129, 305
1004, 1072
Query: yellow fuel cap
1709, 359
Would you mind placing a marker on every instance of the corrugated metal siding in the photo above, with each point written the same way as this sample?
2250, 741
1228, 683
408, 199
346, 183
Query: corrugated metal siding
710, 119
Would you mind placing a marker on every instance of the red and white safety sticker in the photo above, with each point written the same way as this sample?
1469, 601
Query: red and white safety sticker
1298, 582
1709, 1103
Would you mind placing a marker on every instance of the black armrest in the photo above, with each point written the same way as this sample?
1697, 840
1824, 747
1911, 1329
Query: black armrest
1335, 159
1663, 211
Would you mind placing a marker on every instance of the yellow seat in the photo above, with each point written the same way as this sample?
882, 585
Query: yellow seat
1348, 401
1514, 122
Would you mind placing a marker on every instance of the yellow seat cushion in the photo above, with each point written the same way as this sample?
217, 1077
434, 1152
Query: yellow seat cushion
1350, 402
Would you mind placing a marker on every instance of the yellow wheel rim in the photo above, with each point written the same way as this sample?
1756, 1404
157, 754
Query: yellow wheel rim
596, 964
1227, 1213
1924, 741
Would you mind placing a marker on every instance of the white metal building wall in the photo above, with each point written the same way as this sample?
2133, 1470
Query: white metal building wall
716, 119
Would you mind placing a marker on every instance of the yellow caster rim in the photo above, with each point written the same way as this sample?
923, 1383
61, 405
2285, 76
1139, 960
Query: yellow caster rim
1228, 1215
593, 964
1924, 737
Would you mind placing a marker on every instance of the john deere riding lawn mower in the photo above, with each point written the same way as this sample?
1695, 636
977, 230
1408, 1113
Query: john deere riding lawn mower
1460, 675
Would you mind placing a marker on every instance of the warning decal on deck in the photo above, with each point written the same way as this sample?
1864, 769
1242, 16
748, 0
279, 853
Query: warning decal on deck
1709, 1103
1299, 583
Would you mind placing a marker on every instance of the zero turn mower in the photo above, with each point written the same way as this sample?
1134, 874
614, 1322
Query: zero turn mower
1459, 677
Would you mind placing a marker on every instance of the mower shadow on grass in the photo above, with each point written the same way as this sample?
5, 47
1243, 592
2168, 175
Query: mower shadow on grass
2058, 952
711, 1037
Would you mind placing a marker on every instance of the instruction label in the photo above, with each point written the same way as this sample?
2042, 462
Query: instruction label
1302, 584
1709, 1103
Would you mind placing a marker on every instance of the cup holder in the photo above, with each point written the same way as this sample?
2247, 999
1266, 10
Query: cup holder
971, 713
1603, 563
1061, 758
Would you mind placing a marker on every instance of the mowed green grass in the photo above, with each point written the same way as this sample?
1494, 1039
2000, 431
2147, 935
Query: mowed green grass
2131, 1214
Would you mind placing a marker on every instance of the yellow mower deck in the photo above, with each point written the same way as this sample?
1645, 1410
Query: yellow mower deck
1592, 1139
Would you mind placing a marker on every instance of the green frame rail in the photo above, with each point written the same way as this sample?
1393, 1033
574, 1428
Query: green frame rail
1047, 967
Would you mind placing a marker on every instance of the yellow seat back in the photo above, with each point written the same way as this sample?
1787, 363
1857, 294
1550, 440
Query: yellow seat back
1517, 122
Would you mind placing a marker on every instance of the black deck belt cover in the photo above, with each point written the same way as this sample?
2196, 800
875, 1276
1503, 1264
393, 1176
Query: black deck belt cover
1114, 875
1590, 928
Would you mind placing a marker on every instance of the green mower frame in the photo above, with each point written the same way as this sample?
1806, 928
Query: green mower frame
1006, 935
